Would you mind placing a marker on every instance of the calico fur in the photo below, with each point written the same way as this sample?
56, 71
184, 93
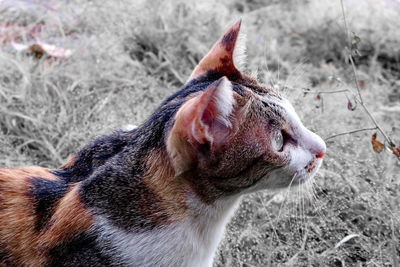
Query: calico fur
162, 193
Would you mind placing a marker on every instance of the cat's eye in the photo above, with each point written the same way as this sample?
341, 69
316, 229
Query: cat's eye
277, 142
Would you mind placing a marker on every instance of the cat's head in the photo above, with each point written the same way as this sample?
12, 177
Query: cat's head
236, 135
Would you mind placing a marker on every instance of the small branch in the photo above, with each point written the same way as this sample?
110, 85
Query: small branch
325, 92
360, 99
350, 52
356, 79
350, 132
388, 139
345, 23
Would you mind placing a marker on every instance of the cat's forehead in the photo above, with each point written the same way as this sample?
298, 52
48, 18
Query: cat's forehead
275, 106
267, 98
284, 110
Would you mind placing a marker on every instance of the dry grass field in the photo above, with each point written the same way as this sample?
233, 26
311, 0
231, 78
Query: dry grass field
128, 55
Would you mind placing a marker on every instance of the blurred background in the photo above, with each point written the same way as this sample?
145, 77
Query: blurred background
74, 70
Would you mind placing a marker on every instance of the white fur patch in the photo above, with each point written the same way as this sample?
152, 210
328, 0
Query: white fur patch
128, 127
224, 101
191, 242
239, 52
308, 140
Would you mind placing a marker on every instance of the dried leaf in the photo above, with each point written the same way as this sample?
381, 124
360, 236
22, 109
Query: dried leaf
350, 106
345, 239
376, 144
395, 150
39, 49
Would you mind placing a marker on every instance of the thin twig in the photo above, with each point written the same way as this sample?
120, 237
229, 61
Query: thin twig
351, 132
325, 92
356, 79
345, 23
388, 139
359, 99
350, 54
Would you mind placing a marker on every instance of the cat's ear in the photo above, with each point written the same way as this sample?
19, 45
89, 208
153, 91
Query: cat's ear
202, 120
206, 117
226, 56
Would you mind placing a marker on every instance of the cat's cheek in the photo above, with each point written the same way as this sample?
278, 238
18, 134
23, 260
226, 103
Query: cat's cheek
295, 171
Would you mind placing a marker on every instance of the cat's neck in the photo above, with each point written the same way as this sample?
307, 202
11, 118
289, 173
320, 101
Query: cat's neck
191, 241
157, 219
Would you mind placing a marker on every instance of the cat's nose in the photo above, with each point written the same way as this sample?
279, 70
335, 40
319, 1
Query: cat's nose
320, 155
315, 144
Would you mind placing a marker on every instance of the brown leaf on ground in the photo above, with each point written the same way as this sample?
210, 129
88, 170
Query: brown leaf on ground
376, 144
39, 49
395, 150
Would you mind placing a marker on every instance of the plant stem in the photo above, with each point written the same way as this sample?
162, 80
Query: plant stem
351, 132
325, 92
360, 99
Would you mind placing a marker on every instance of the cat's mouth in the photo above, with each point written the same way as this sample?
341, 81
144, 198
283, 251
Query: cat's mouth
311, 169
313, 165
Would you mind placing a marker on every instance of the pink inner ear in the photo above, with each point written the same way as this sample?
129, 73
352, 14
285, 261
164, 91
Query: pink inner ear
203, 119
220, 132
213, 127
209, 115
211, 111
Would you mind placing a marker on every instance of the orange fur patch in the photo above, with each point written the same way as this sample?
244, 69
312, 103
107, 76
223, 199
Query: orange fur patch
69, 219
31, 171
220, 57
70, 162
178, 146
171, 190
18, 219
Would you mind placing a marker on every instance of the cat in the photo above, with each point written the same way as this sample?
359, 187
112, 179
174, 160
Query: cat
161, 194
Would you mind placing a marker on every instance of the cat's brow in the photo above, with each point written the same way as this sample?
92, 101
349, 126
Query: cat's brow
275, 108
272, 104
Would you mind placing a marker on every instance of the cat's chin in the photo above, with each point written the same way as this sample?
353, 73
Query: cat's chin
308, 173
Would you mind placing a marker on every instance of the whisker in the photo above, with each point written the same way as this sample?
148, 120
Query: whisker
265, 63
291, 74
286, 195
317, 203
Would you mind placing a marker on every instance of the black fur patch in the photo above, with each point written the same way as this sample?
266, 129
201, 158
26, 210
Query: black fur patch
153, 130
5, 257
94, 155
81, 251
46, 193
117, 192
